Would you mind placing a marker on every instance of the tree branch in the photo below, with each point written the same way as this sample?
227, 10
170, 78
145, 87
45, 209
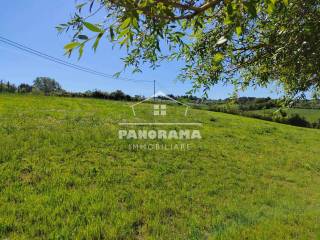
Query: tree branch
180, 5
199, 10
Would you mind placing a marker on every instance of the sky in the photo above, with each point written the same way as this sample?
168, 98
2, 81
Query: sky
32, 23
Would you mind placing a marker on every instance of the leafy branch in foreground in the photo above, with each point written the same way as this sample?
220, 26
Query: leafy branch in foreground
246, 43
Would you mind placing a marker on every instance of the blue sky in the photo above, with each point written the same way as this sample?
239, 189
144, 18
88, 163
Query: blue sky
32, 23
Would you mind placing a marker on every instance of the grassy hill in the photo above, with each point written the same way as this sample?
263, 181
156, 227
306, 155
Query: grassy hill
65, 174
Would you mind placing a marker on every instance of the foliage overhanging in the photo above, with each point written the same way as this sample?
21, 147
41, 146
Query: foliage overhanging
246, 43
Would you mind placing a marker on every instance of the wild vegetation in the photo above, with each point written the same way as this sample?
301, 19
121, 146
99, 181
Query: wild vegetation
49, 86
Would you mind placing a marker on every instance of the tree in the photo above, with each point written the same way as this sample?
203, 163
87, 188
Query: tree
1, 85
118, 95
46, 85
24, 88
246, 43
10, 88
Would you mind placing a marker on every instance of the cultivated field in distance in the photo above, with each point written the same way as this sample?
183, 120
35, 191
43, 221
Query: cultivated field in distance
312, 115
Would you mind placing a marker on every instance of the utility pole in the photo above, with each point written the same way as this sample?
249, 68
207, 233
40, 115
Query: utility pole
154, 90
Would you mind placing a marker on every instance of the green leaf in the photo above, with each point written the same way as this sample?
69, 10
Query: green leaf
251, 8
218, 57
135, 23
286, 2
71, 46
123, 33
271, 7
117, 74
229, 9
79, 6
83, 37
125, 23
124, 41
96, 42
239, 30
80, 51
92, 27
111, 33
228, 21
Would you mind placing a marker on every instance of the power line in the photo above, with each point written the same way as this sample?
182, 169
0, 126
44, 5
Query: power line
65, 63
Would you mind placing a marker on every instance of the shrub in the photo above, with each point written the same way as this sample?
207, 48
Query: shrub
280, 116
316, 124
258, 116
297, 120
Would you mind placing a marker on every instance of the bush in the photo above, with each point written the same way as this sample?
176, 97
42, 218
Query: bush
316, 124
280, 116
258, 116
297, 120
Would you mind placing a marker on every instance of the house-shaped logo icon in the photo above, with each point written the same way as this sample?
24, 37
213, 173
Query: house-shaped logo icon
160, 109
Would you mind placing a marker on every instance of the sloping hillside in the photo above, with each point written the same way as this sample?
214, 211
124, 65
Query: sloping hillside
65, 174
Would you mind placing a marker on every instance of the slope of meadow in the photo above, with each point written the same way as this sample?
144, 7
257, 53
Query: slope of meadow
65, 174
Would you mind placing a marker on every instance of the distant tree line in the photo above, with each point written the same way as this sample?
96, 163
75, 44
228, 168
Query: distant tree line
117, 95
239, 106
40, 84
49, 86
7, 87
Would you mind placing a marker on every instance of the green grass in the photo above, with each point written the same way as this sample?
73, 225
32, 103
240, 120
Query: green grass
66, 175
312, 115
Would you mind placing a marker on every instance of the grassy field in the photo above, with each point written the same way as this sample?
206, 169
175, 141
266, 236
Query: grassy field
312, 115
65, 174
